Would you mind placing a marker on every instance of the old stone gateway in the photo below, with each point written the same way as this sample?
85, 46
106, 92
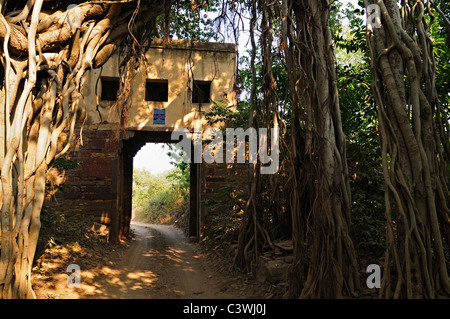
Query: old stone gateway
180, 81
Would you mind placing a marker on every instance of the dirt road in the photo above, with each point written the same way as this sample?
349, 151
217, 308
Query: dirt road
159, 263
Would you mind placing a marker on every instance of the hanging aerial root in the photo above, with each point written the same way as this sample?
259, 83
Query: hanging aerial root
40, 109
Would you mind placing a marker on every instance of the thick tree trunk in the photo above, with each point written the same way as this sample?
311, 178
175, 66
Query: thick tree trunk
253, 235
36, 114
417, 198
324, 259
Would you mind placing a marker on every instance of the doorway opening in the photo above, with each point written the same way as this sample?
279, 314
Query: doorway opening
160, 192
158, 188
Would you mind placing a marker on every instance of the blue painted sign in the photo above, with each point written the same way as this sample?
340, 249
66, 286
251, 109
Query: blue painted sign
159, 116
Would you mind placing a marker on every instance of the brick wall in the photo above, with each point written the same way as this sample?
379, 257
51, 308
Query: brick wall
101, 186
217, 181
92, 187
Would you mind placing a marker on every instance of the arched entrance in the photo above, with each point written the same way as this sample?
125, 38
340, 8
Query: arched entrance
132, 142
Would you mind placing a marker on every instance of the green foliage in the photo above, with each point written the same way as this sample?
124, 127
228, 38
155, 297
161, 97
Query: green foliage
226, 208
221, 113
440, 34
146, 187
180, 176
280, 79
163, 198
156, 199
189, 20
66, 163
360, 121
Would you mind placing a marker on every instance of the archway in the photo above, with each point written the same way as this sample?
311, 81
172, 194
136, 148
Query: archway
130, 146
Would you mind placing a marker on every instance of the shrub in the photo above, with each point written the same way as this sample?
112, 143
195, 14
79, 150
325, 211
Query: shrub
160, 199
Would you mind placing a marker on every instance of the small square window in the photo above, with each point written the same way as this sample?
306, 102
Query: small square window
201, 92
110, 87
157, 90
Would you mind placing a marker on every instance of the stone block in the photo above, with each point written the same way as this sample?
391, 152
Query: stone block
97, 189
99, 168
111, 146
100, 196
100, 205
70, 195
102, 134
95, 144
271, 270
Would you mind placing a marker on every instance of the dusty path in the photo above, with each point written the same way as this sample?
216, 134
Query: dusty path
158, 263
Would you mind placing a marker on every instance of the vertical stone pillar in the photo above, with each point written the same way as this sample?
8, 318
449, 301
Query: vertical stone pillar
194, 201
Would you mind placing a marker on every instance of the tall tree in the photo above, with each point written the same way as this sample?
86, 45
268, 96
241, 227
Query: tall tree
254, 234
324, 263
318, 189
47, 47
414, 143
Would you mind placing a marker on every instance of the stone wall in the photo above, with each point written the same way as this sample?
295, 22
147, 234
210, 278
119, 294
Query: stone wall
101, 186
92, 187
218, 180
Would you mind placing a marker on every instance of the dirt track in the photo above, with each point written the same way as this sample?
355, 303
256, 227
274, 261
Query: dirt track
158, 263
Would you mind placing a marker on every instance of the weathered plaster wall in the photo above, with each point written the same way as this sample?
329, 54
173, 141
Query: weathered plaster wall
179, 65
